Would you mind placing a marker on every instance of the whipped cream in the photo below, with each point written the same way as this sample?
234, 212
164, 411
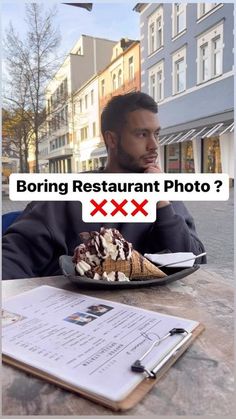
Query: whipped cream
96, 248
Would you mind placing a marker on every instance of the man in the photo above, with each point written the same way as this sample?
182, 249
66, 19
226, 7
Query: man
46, 230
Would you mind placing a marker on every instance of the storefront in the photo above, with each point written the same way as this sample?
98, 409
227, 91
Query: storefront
179, 158
205, 149
60, 165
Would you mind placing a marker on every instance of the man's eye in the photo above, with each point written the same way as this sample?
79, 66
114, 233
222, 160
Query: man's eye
142, 134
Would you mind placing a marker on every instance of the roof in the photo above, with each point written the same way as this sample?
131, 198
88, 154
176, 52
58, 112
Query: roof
139, 7
87, 6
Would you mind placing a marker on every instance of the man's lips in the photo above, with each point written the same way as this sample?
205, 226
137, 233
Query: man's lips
150, 158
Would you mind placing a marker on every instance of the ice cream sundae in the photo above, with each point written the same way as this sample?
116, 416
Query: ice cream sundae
106, 255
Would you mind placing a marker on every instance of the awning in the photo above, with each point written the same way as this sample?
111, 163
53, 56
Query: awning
202, 132
213, 130
98, 152
229, 128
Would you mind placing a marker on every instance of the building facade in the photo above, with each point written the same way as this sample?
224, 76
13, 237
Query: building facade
120, 76
86, 58
86, 125
187, 58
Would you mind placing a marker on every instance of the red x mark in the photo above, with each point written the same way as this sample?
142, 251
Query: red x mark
98, 207
119, 207
139, 207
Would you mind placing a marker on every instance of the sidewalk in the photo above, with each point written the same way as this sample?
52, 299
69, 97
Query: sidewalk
214, 223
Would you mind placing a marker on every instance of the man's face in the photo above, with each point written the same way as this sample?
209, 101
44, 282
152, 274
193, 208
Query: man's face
138, 142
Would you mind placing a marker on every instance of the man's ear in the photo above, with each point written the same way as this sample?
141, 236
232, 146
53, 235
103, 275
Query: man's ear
111, 139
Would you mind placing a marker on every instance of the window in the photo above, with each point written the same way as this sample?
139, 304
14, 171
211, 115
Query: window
178, 18
94, 129
92, 97
83, 166
156, 81
86, 101
159, 32
179, 71
204, 8
216, 53
114, 82
210, 54
84, 133
80, 106
152, 38
211, 155
159, 85
187, 159
66, 115
204, 62
65, 86
155, 30
173, 158
153, 86
120, 78
103, 88
90, 164
180, 75
131, 68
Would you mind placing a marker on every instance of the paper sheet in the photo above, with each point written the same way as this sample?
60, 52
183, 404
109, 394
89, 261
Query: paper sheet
87, 342
179, 259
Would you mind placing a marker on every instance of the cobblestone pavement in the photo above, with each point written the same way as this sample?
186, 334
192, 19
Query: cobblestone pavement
215, 226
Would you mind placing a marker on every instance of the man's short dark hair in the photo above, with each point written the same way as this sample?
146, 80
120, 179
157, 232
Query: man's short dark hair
113, 116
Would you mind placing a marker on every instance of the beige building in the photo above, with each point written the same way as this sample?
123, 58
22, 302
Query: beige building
121, 75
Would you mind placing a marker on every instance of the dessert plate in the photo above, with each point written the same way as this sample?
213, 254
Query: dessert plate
173, 274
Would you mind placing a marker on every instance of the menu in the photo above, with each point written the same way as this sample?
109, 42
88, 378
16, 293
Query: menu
89, 343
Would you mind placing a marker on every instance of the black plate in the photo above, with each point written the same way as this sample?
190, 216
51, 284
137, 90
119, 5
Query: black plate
173, 274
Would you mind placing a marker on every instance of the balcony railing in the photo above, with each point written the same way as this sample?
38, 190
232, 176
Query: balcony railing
60, 152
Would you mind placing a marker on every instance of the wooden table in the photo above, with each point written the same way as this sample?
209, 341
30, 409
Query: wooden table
199, 383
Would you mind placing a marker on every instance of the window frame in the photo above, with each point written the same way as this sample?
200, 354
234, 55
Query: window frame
102, 87
84, 133
119, 78
175, 15
154, 18
177, 56
209, 37
114, 82
131, 67
209, 8
153, 73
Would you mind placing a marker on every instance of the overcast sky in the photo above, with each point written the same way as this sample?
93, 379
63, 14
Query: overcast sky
111, 20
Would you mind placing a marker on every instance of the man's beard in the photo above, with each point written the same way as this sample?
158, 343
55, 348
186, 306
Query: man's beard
126, 161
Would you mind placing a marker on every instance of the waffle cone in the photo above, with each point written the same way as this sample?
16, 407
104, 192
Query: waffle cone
137, 267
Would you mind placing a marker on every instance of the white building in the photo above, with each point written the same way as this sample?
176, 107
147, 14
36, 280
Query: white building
86, 125
87, 57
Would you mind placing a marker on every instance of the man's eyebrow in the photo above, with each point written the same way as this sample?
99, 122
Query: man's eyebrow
146, 129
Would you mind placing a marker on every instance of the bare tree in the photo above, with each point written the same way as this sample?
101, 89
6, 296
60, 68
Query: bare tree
31, 63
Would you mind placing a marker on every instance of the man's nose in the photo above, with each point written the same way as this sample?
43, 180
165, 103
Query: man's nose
152, 143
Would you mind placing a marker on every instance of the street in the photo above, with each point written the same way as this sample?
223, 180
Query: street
214, 223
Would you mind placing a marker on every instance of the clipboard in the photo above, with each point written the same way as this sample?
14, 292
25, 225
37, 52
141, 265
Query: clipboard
134, 397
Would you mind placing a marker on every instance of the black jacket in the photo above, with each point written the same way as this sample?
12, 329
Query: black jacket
46, 230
